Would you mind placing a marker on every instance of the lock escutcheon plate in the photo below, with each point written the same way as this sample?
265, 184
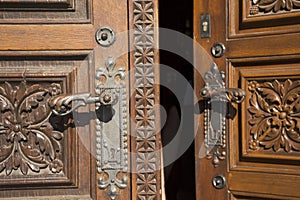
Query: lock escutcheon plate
219, 182
218, 50
105, 36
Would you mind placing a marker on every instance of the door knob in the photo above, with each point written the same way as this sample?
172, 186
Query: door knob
111, 138
216, 97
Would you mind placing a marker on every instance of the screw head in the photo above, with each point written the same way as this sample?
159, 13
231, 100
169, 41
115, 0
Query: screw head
107, 98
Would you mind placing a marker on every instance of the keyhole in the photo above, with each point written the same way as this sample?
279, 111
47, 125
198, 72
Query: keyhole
205, 26
218, 50
104, 36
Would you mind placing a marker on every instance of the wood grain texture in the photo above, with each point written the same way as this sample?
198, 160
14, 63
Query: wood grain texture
45, 12
146, 143
205, 171
72, 176
243, 23
261, 49
59, 37
48, 38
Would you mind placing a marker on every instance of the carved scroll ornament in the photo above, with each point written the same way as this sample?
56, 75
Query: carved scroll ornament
275, 6
28, 141
275, 115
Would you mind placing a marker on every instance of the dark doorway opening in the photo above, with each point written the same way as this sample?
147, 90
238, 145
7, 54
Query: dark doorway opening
177, 15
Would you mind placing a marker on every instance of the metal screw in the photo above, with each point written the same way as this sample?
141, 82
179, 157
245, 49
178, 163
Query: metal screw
107, 98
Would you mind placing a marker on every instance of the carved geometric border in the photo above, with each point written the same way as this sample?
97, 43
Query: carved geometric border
147, 160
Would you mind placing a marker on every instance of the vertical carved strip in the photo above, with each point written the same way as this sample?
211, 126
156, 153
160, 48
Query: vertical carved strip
147, 160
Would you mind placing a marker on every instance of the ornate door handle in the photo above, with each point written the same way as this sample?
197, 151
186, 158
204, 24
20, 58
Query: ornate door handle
216, 97
111, 135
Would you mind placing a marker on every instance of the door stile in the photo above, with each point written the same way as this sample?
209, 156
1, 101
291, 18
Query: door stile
205, 169
145, 130
114, 15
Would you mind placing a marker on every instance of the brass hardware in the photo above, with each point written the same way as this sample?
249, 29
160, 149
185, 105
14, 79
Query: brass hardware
205, 26
216, 97
218, 50
111, 135
219, 182
105, 36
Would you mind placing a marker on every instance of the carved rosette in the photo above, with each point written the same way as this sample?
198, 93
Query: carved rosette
274, 115
146, 145
274, 6
28, 142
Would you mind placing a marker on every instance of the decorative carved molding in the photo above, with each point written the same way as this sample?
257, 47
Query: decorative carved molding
37, 5
42, 11
275, 115
266, 6
146, 145
35, 1
27, 139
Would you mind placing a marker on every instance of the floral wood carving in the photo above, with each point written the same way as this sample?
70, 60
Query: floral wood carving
275, 115
27, 139
146, 145
266, 6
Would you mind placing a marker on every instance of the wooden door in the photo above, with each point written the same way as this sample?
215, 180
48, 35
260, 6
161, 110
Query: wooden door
48, 49
260, 156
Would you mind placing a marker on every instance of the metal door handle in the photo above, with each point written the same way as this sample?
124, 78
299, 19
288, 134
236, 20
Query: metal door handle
216, 97
111, 138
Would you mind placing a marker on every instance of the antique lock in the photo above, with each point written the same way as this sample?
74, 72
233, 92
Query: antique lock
216, 97
111, 149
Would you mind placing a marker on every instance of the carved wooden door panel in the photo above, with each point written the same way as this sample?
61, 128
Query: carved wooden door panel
57, 56
257, 155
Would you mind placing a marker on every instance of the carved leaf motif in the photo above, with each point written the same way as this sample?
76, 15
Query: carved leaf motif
33, 167
4, 152
8, 91
257, 110
275, 115
275, 5
270, 94
35, 107
9, 166
5, 104
57, 135
24, 168
44, 143
266, 2
29, 140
